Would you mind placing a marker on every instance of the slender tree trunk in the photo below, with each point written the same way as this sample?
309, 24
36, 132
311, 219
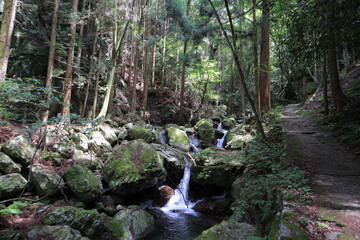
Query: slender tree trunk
49, 75
325, 83
256, 58
338, 95
264, 80
346, 58
81, 33
65, 111
88, 80
97, 81
7, 27
304, 83
147, 61
163, 77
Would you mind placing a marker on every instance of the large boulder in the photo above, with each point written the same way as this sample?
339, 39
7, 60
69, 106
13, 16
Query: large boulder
55, 232
98, 143
131, 223
45, 180
88, 159
228, 230
132, 167
236, 131
83, 183
65, 148
81, 142
205, 131
178, 139
11, 185
228, 123
238, 141
90, 223
139, 132
108, 134
7, 165
19, 149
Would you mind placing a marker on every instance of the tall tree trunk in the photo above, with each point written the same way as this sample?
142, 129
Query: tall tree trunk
304, 84
81, 33
65, 111
346, 58
7, 27
264, 81
163, 77
339, 97
256, 57
325, 86
96, 90
88, 80
183, 74
48, 82
147, 61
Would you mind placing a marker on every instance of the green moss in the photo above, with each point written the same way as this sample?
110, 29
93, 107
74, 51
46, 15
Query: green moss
141, 133
178, 138
205, 130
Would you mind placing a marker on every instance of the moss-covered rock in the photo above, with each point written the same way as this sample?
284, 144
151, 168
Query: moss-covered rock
139, 132
55, 233
238, 141
83, 183
19, 149
7, 165
134, 166
131, 223
178, 139
88, 159
228, 123
228, 230
236, 131
65, 148
98, 143
90, 223
46, 181
8, 234
108, 134
81, 142
11, 185
205, 131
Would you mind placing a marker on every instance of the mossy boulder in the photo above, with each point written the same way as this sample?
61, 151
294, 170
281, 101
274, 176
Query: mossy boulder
8, 234
98, 143
228, 123
90, 223
131, 223
132, 167
228, 230
88, 160
65, 148
238, 141
83, 183
11, 185
7, 165
205, 131
55, 232
108, 134
19, 149
81, 142
178, 139
236, 131
139, 132
45, 180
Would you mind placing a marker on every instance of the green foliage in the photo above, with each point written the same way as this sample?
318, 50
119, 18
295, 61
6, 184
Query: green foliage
15, 208
267, 177
53, 156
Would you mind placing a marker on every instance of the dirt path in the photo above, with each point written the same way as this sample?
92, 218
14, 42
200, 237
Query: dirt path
335, 170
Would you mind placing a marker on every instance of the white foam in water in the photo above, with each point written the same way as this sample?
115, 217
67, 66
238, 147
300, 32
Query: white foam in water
163, 137
194, 143
220, 141
179, 202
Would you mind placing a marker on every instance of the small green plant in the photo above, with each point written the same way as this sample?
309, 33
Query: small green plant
15, 208
52, 156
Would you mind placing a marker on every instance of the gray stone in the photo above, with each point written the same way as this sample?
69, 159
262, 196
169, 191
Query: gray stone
98, 143
81, 142
178, 139
88, 159
11, 185
19, 149
65, 148
7, 165
108, 134
55, 233
46, 181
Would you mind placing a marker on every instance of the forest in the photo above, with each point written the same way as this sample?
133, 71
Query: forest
180, 119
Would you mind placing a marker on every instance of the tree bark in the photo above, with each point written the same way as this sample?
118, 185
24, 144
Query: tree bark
256, 57
7, 27
325, 86
48, 82
65, 111
264, 80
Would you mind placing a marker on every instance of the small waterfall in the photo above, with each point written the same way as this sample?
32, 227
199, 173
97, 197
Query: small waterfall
194, 143
220, 141
179, 202
163, 137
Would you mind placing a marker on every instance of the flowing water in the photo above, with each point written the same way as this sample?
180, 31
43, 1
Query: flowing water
163, 137
194, 143
220, 141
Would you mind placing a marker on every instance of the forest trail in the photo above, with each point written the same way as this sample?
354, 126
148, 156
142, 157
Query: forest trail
333, 168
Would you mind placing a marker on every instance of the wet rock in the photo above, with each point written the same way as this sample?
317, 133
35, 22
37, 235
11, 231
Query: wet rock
65, 148
217, 207
19, 149
218, 134
131, 223
46, 181
11, 185
90, 223
205, 131
55, 232
178, 139
98, 143
139, 132
166, 193
83, 183
81, 142
228, 230
7, 165
132, 167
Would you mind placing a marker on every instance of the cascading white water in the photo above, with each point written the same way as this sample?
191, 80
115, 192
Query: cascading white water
220, 141
179, 202
163, 137
194, 143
